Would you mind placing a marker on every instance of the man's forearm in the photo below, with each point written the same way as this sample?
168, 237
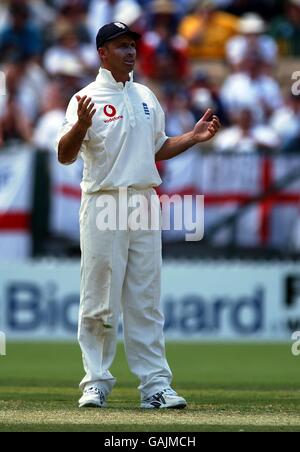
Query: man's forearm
70, 144
204, 130
175, 146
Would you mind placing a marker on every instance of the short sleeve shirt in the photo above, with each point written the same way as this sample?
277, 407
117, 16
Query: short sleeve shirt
128, 129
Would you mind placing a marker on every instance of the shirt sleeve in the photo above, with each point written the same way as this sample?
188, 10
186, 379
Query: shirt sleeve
69, 121
160, 125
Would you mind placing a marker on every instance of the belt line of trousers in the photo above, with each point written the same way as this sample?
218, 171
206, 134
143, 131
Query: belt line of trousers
121, 272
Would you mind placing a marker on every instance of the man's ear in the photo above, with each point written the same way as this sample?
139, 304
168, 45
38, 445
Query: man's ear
102, 51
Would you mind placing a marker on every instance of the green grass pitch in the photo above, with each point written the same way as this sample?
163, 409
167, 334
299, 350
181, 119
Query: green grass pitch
228, 387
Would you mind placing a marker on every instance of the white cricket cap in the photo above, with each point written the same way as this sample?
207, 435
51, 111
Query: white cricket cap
252, 23
130, 14
203, 99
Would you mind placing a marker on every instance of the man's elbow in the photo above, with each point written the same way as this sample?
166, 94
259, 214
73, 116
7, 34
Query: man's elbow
62, 159
61, 156
161, 155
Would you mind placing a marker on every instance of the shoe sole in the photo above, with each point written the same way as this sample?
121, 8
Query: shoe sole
179, 406
91, 405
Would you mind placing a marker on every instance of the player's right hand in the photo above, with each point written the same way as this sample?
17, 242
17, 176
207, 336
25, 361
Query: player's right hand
85, 111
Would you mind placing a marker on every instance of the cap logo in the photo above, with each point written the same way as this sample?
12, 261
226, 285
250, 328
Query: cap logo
118, 24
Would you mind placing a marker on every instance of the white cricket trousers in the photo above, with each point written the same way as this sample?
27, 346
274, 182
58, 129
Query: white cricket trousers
121, 272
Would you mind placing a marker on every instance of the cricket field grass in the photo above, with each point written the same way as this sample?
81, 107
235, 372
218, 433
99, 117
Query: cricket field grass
229, 387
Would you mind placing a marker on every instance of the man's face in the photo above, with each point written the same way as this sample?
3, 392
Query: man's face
119, 55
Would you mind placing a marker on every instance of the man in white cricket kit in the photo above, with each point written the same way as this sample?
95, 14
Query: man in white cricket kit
118, 128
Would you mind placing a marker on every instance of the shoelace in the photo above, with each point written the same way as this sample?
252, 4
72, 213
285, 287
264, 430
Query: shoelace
169, 391
97, 391
94, 390
159, 396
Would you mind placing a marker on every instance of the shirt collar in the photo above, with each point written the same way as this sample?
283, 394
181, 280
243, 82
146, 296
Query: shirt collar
105, 78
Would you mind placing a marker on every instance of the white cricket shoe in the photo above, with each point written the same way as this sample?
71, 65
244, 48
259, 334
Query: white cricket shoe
167, 398
93, 397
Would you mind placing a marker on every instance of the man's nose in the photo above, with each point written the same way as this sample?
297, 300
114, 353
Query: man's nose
131, 51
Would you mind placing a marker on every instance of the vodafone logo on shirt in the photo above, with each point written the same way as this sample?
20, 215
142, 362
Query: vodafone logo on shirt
110, 111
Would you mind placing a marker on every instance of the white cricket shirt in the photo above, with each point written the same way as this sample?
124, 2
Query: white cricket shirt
128, 129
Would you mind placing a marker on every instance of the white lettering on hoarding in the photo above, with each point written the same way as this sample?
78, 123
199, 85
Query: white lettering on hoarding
2, 344
2, 84
296, 344
296, 85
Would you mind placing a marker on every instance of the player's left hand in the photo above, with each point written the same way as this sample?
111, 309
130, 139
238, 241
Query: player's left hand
207, 127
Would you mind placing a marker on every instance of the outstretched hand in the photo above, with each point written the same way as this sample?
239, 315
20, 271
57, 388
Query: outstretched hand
207, 127
85, 111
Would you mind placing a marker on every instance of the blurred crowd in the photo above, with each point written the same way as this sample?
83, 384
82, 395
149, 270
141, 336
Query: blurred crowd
194, 54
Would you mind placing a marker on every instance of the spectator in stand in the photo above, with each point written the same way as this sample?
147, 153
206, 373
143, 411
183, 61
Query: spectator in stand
42, 13
70, 55
163, 53
70, 79
14, 125
286, 29
54, 105
14, 122
20, 35
245, 135
205, 94
179, 118
286, 122
102, 12
28, 80
252, 87
251, 40
207, 30
73, 13
42, 16
3, 14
